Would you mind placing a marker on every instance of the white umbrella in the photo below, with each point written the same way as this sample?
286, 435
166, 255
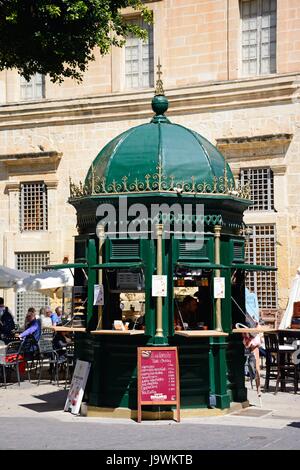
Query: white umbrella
9, 277
293, 297
46, 281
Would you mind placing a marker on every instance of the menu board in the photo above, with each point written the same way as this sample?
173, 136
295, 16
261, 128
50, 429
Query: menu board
158, 377
77, 386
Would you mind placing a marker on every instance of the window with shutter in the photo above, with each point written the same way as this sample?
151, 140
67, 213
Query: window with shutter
258, 19
139, 70
261, 250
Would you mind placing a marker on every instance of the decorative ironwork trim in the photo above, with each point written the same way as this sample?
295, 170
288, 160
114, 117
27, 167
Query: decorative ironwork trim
158, 182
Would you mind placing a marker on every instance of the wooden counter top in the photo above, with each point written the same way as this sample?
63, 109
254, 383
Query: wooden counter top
117, 332
200, 333
69, 328
253, 330
265, 330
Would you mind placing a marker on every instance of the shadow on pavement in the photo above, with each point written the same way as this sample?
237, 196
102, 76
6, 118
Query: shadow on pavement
272, 389
54, 401
295, 424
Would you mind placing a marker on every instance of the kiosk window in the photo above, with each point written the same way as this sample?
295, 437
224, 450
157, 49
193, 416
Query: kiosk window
125, 306
193, 303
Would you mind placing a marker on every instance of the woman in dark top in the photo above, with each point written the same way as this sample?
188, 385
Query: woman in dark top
7, 324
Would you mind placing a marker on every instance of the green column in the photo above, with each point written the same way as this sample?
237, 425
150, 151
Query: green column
161, 303
92, 280
218, 312
219, 346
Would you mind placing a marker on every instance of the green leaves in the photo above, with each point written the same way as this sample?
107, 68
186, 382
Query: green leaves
76, 10
57, 37
52, 10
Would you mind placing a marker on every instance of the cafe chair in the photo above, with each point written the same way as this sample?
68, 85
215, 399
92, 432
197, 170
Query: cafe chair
70, 355
30, 351
279, 363
49, 357
47, 333
10, 358
8, 338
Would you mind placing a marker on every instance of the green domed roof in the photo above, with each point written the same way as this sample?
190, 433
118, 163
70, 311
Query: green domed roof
159, 156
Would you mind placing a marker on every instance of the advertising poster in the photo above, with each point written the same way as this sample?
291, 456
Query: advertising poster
219, 287
159, 286
98, 294
77, 387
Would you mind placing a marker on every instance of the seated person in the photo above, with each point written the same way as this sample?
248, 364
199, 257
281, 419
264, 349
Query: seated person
139, 323
130, 323
187, 314
7, 324
56, 317
60, 341
33, 329
45, 317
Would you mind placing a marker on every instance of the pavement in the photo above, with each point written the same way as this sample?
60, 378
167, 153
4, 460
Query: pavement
37, 412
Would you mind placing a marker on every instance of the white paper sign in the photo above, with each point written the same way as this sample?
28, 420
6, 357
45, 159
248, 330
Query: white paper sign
219, 287
98, 294
77, 387
159, 286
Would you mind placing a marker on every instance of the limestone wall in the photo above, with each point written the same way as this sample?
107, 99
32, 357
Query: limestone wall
78, 144
198, 42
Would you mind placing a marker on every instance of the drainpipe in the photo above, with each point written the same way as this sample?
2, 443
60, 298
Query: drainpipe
159, 233
217, 230
101, 236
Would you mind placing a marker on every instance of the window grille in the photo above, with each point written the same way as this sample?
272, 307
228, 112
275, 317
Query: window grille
261, 249
31, 262
34, 88
139, 70
262, 187
33, 206
258, 36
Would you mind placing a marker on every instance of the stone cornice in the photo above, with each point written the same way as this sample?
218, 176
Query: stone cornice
279, 169
12, 186
255, 147
213, 96
31, 158
51, 183
15, 184
270, 139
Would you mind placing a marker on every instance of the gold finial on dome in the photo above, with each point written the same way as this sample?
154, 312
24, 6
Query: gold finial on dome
159, 90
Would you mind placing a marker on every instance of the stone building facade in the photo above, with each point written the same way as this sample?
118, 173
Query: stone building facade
231, 71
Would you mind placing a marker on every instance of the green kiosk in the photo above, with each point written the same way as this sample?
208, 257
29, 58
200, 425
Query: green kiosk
160, 200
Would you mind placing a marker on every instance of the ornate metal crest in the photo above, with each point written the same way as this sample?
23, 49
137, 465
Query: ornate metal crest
158, 182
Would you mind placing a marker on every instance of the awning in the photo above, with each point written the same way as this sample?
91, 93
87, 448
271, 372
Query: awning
294, 296
253, 267
118, 265
9, 277
45, 281
66, 266
201, 265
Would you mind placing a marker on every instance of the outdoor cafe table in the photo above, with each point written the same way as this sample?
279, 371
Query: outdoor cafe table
253, 330
69, 328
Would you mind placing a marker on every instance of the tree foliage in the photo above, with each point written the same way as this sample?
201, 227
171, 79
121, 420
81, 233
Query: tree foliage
58, 37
